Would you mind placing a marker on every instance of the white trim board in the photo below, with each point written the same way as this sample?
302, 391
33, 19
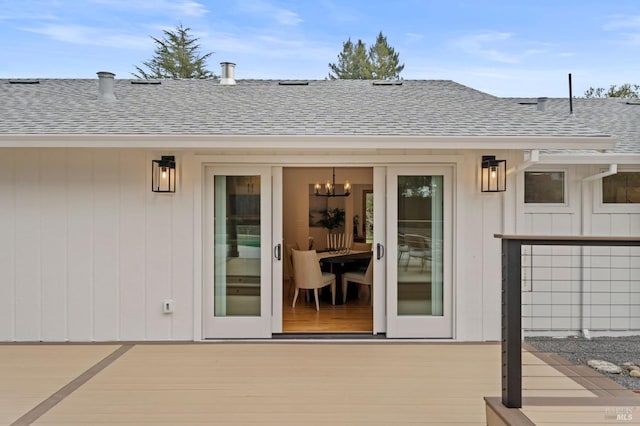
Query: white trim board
306, 142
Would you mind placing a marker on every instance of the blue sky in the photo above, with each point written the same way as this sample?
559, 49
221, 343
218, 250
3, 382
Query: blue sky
506, 48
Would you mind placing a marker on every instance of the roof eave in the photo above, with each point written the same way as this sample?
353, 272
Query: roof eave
590, 158
336, 142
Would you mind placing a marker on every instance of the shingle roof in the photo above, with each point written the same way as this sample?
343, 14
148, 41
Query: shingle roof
264, 107
617, 117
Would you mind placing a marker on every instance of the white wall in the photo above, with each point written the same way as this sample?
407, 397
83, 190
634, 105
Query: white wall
568, 289
88, 252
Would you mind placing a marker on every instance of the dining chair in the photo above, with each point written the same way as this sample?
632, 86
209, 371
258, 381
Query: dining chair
308, 275
363, 278
289, 264
339, 242
418, 248
403, 248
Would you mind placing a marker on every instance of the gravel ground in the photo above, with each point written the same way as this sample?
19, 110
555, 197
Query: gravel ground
579, 350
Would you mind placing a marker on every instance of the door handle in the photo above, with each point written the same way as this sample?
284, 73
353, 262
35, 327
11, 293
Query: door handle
277, 251
379, 251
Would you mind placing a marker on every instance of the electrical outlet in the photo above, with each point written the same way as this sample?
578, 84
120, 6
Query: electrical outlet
168, 306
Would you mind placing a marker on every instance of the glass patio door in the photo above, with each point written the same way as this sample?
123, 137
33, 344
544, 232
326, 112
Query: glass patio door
419, 236
237, 252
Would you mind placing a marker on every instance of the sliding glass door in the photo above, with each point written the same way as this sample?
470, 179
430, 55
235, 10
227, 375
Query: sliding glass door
237, 252
419, 236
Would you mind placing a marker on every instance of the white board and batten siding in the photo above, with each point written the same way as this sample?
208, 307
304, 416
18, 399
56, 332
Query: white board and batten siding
88, 252
565, 292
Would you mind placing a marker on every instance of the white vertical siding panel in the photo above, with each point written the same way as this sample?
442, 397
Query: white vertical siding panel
601, 224
541, 224
105, 244
563, 224
470, 314
132, 248
492, 261
182, 269
7, 245
525, 228
634, 224
80, 245
160, 241
27, 247
620, 224
53, 244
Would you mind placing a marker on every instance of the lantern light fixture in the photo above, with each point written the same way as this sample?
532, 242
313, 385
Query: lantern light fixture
329, 189
494, 174
163, 174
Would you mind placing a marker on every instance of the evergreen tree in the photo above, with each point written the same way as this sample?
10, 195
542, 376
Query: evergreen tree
380, 62
384, 60
353, 62
176, 56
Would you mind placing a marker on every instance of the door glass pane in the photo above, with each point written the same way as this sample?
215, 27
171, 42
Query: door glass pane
237, 246
420, 234
369, 217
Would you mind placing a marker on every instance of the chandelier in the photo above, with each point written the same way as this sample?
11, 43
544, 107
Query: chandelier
329, 189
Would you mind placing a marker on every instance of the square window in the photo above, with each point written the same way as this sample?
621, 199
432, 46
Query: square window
621, 188
542, 187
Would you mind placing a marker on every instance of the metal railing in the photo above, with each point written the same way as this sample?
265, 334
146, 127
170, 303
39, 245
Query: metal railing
512, 300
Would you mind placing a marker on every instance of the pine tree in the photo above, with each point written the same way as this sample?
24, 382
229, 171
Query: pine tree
356, 62
353, 62
176, 56
384, 60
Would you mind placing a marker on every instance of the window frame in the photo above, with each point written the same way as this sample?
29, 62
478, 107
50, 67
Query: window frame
563, 207
599, 206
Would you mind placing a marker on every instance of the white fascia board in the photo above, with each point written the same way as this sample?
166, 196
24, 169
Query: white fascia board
306, 142
594, 158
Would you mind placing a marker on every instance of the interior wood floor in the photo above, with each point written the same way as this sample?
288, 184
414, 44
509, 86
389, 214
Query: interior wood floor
356, 316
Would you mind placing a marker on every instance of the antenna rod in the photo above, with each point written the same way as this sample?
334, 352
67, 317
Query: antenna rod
570, 96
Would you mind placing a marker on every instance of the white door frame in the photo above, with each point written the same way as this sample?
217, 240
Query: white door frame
198, 164
238, 326
379, 249
416, 326
277, 243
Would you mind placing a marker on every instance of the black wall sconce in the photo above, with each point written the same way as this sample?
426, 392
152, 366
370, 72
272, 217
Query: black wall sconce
494, 174
163, 174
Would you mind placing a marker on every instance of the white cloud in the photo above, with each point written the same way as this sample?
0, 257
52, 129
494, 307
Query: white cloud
287, 17
515, 82
627, 27
91, 36
618, 22
499, 47
180, 7
413, 37
281, 16
281, 41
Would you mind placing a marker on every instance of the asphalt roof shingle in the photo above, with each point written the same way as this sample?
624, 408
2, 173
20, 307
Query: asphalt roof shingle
264, 107
618, 117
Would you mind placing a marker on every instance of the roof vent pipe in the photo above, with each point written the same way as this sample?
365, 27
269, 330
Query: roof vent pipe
228, 73
570, 96
106, 84
542, 103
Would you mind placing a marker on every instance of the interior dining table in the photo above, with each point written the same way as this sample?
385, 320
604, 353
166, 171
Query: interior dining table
340, 262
